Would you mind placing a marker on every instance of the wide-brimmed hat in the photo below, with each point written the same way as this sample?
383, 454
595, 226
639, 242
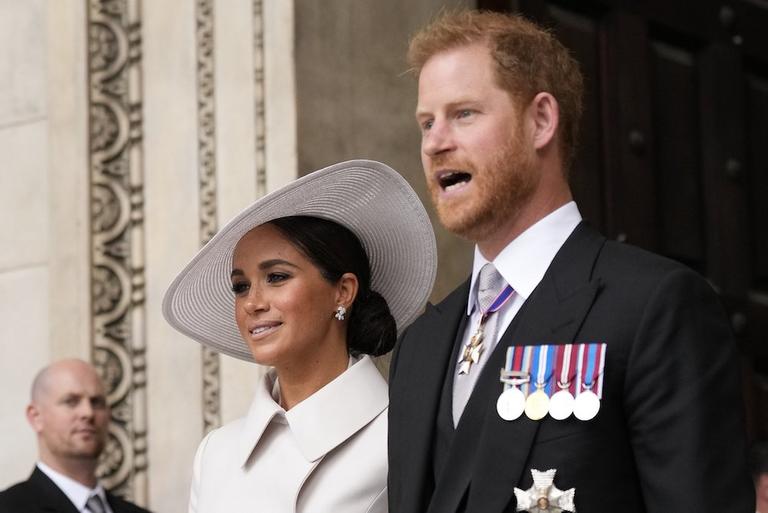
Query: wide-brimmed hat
369, 198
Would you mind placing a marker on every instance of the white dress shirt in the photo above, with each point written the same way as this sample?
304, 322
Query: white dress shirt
76, 492
522, 264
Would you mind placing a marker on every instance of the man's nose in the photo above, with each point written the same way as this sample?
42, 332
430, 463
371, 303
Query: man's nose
85, 408
438, 139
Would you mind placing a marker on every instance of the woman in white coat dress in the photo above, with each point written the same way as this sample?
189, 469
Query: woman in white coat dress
312, 280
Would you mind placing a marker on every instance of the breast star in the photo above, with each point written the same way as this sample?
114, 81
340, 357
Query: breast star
544, 496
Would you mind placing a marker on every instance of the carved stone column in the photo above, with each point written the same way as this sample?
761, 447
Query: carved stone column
117, 238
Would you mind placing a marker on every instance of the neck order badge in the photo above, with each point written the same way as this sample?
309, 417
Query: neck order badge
489, 283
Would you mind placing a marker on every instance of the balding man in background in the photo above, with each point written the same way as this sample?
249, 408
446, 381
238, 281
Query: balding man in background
69, 413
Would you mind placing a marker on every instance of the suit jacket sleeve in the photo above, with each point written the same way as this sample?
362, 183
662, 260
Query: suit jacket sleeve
682, 399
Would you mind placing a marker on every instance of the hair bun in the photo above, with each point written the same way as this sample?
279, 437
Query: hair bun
372, 329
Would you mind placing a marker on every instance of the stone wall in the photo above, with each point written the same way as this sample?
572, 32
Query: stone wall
131, 130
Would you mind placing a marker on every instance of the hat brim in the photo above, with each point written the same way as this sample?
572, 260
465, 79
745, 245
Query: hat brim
367, 197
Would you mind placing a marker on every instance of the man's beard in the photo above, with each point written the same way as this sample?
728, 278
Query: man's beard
504, 186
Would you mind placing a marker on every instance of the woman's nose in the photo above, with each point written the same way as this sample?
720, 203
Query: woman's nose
255, 302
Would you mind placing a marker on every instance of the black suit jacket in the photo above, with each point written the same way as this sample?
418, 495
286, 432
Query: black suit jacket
669, 435
39, 494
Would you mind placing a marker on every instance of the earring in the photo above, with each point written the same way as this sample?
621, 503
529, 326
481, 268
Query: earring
340, 312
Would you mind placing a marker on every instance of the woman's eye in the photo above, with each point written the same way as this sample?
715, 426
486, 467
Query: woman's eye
239, 288
276, 277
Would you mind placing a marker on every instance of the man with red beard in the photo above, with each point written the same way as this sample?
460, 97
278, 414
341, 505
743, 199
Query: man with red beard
70, 415
569, 372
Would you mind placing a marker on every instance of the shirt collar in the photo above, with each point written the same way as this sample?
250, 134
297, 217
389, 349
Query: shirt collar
75, 491
523, 262
325, 419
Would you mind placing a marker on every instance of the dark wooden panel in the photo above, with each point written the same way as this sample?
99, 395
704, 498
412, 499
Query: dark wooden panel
757, 140
631, 212
580, 34
674, 90
722, 118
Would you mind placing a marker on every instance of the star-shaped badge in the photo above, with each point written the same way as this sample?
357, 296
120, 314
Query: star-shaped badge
544, 496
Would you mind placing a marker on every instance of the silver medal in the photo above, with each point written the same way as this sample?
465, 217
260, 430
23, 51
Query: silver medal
561, 405
510, 404
586, 405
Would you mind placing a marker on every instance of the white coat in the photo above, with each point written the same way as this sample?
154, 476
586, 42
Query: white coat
328, 454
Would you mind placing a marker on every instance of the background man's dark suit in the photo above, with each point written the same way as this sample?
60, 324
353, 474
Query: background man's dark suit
40, 494
670, 399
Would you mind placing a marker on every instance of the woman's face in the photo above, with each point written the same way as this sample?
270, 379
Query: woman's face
283, 306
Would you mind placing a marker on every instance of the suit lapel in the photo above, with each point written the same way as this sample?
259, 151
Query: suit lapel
50, 497
488, 451
431, 345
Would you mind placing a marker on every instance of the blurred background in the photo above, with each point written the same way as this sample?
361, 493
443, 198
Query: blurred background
130, 130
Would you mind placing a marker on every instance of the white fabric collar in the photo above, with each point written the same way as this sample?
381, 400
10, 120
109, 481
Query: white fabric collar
523, 262
326, 418
75, 491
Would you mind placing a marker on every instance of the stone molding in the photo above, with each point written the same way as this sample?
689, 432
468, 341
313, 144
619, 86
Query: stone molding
206, 150
117, 237
258, 74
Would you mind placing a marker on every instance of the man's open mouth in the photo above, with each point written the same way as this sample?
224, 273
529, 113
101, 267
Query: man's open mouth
453, 180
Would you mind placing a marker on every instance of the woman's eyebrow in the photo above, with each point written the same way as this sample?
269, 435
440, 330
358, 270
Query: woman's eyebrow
266, 264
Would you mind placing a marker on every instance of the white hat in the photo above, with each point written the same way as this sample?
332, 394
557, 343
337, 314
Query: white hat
369, 198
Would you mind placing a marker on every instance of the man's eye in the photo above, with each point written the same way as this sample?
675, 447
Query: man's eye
71, 401
239, 288
464, 113
99, 403
276, 277
427, 124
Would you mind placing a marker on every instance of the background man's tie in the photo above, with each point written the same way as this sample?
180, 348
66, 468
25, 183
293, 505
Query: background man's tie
95, 504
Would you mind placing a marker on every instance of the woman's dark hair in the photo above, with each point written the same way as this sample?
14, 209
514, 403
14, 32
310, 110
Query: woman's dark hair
335, 250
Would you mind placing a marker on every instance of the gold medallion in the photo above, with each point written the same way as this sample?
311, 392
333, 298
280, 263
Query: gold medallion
537, 405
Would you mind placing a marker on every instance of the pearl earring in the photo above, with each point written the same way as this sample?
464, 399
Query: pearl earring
340, 312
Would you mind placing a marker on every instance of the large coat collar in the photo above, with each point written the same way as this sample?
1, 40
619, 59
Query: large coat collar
481, 449
325, 419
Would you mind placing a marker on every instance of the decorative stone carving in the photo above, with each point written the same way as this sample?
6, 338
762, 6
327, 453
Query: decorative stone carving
258, 74
206, 150
117, 259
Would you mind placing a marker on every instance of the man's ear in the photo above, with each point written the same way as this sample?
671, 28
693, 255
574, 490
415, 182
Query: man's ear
544, 113
35, 418
347, 289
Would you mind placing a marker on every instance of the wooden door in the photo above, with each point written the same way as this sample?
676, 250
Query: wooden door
674, 147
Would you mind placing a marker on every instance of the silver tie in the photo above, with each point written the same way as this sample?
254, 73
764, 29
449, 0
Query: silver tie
489, 285
95, 504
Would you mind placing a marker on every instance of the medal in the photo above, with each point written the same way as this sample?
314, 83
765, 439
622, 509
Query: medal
510, 404
586, 405
537, 403
590, 370
561, 403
